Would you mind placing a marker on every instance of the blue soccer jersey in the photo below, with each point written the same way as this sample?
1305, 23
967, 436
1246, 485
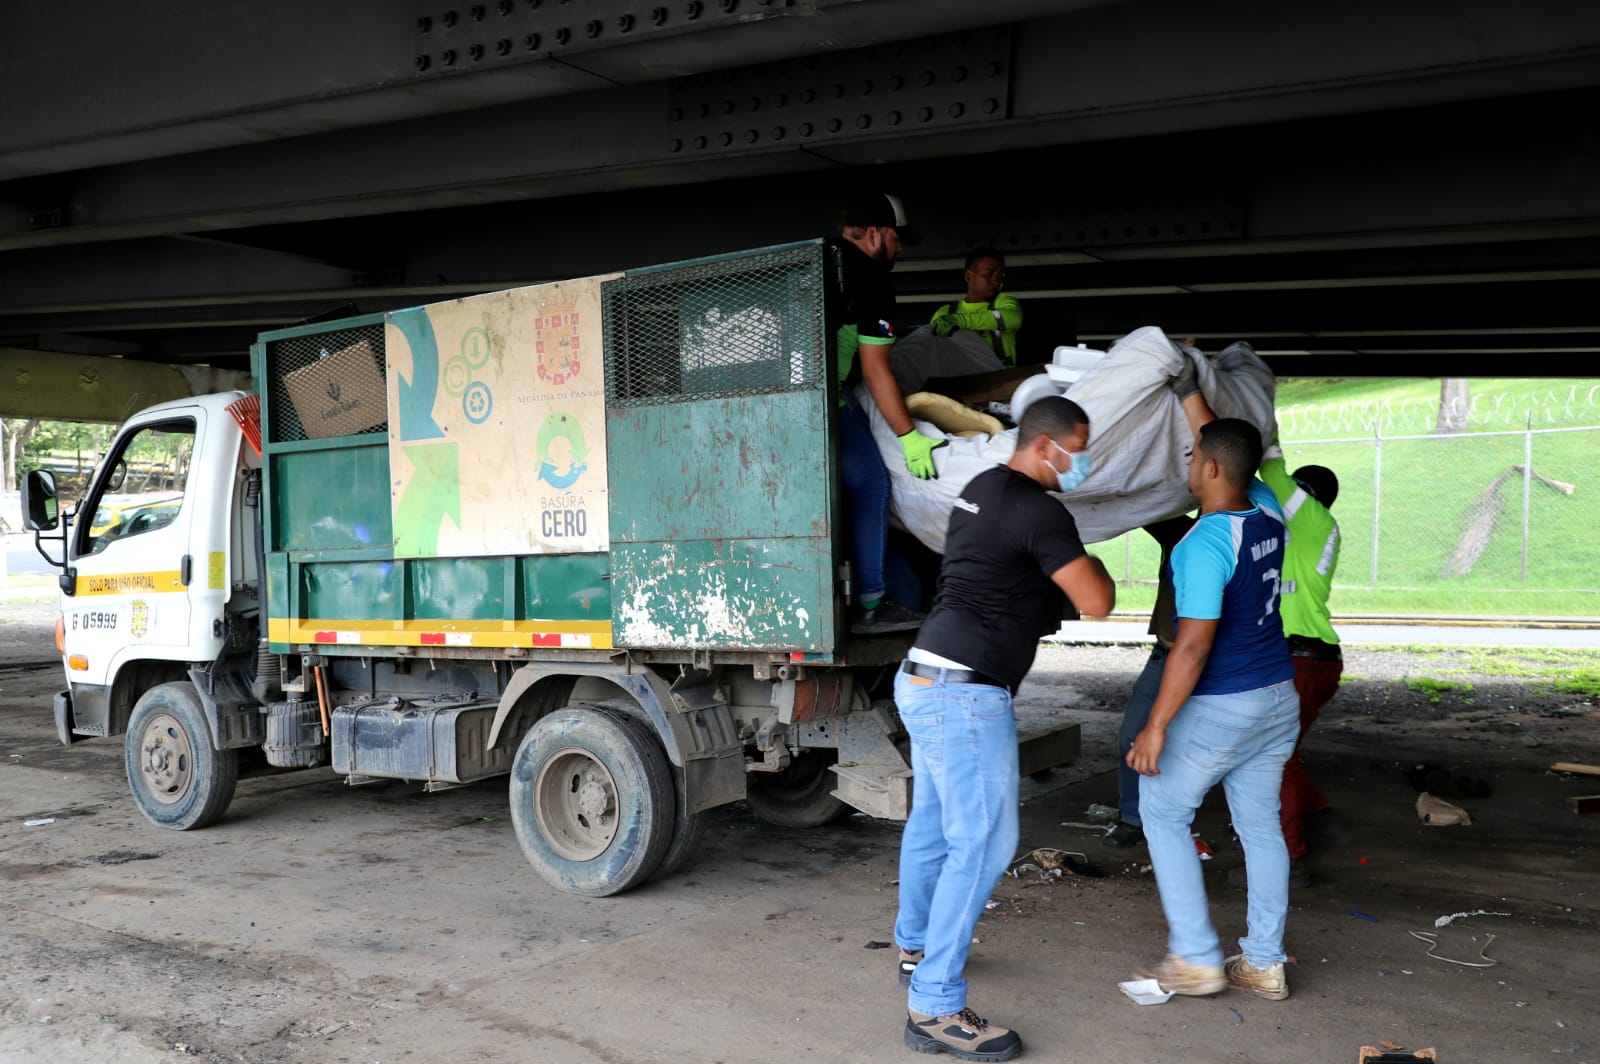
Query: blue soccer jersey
1227, 569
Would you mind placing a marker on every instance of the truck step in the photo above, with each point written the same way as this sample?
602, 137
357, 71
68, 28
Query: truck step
883, 791
1040, 751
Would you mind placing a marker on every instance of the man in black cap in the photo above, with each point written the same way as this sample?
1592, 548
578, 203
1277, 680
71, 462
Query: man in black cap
872, 229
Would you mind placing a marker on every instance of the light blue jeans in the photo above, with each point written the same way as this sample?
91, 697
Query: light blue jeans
1241, 740
962, 831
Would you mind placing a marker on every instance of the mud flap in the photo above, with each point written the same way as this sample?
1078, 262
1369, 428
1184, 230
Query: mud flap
63, 711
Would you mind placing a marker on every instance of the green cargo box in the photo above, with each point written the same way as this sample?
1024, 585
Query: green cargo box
480, 518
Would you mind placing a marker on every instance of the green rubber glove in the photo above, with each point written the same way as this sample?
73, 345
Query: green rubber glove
919, 454
944, 326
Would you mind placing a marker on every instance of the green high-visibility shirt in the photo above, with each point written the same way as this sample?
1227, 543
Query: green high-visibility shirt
996, 322
1310, 558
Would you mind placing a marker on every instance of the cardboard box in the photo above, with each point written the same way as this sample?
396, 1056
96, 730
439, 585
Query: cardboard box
339, 395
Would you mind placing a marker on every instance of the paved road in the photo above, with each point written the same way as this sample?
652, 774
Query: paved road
22, 557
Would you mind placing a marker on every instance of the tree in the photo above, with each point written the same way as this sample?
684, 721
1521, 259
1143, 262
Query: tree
1455, 402
17, 431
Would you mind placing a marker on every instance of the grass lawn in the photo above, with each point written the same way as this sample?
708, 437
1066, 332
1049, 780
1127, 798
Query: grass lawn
1440, 525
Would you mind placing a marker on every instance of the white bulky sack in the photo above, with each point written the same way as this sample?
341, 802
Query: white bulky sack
1139, 439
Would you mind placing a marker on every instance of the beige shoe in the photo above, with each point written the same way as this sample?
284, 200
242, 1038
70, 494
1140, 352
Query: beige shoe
1180, 977
1270, 983
964, 1035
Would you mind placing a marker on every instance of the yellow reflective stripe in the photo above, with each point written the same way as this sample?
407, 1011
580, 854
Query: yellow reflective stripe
596, 635
130, 583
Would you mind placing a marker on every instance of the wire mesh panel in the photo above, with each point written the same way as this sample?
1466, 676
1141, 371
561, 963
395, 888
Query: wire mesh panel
287, 361
735, 325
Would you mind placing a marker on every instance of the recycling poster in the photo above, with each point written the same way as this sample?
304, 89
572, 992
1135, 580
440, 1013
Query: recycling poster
497, 423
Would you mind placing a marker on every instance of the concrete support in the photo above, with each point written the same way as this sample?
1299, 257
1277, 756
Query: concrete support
63, 387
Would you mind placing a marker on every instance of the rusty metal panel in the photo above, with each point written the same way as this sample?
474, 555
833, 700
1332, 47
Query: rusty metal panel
736, 594
719, 449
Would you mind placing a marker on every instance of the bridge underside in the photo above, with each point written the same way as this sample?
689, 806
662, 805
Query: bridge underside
1376, 189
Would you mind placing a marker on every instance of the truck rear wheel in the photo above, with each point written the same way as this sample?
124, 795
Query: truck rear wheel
178, 779
592, 800
801, 796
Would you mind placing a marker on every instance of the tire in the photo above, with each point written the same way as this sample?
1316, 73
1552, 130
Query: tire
688, 828
178, 779
801, 796
592, 801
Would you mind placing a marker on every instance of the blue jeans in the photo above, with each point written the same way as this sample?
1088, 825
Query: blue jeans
1241, 739
866, 488
962, 831
1135, 715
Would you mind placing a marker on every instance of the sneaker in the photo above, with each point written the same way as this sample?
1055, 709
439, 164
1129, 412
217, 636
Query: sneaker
1270, 983
1180, 977
1124, 836
908, 964
964, 1035
887, 616
1299, 875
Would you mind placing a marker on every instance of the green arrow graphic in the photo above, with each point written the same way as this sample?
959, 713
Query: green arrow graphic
433, 494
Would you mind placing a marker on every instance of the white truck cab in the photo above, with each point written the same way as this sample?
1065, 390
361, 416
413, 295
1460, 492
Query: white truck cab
153, 561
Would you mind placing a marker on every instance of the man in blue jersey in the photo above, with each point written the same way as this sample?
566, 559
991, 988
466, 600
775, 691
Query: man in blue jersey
1226, 712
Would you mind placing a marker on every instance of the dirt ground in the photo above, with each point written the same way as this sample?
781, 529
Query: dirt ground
320, 923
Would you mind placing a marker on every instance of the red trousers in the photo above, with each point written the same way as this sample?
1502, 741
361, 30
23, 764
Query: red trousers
1316, 679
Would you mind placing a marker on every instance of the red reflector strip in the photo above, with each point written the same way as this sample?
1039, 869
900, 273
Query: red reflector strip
546, 639
432, 639
326, 637
797, 655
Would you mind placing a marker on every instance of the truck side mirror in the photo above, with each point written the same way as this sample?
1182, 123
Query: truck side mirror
42, 510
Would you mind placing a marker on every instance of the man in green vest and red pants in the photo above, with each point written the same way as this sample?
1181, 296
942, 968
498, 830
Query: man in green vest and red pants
1309, 562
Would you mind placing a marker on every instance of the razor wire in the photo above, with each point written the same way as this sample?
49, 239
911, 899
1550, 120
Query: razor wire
1534, 407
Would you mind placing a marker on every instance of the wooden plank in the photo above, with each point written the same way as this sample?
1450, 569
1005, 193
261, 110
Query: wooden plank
1573, 766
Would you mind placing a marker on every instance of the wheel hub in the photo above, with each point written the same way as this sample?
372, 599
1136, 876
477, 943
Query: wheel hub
166, 761
575, 804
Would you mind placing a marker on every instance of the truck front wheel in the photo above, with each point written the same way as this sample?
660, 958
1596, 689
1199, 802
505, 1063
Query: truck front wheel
592, 800
178, 779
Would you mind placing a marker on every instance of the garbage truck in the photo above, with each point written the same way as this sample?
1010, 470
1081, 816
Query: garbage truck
586, 535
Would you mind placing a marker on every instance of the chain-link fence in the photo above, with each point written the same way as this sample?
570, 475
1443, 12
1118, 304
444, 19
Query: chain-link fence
1491, 523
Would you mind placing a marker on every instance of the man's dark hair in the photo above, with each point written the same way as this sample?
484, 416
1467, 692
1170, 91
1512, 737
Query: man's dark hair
1054, 416
977, 254
1234, 445
1320, 483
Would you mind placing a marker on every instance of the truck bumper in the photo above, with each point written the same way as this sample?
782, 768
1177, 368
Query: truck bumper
63, 711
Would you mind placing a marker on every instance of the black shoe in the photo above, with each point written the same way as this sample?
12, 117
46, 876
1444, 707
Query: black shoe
887, 616
1324, 830
1124, 836
1299, 875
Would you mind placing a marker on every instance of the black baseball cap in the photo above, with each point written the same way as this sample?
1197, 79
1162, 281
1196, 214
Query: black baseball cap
1320, 483
882, 211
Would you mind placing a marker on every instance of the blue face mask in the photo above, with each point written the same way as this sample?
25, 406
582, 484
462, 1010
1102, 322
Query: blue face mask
1077, 473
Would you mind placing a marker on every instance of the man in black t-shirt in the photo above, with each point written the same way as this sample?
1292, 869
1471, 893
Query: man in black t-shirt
1010, 554
872, 227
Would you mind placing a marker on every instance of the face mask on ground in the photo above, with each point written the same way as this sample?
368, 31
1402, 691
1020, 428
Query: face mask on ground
1077, 473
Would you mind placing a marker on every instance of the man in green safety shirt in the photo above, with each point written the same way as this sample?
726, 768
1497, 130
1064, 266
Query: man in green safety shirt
992, 314
872, 229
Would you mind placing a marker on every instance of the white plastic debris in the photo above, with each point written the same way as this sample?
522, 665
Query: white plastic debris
1145, 991
41, 822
